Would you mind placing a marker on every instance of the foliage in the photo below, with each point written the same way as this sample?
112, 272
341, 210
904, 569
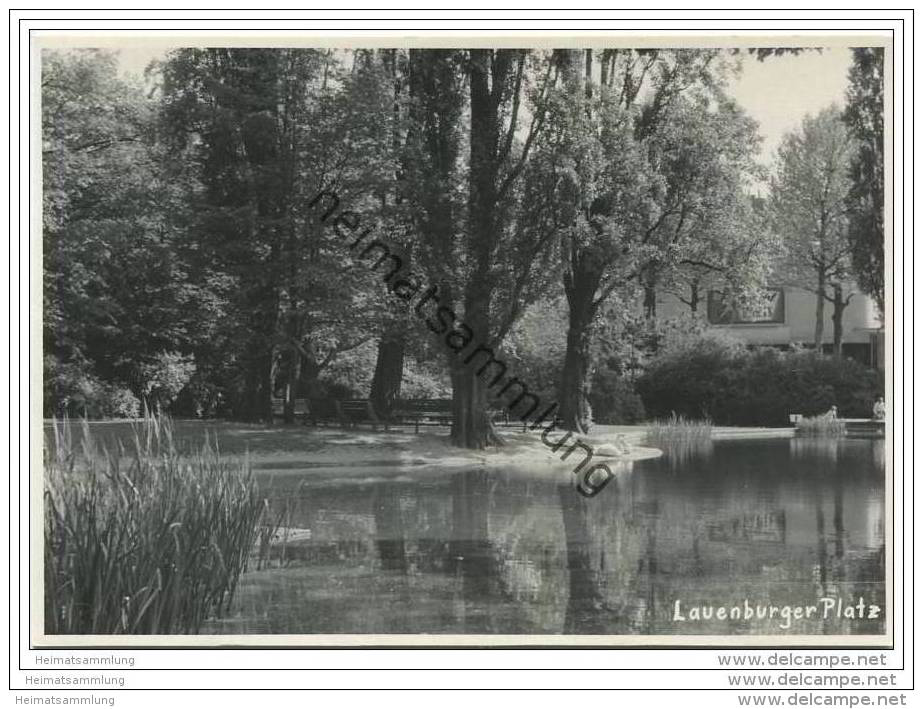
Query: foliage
535, 346
274, 128
481, 240
808, 196
614, 400
117, 290
810, 211
70, 389
186, 266
864, 116
644, 175
425, 381
142, 541
761, 387
165, 377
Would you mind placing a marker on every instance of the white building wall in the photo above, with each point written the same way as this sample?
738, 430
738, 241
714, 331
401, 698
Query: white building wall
859, 319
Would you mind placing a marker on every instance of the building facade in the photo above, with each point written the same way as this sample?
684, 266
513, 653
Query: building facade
787, 316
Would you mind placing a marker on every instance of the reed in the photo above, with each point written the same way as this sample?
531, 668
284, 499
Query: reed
146, 539
677, 429
821, 426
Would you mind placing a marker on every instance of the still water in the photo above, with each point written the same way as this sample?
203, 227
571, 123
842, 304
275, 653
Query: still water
728, 524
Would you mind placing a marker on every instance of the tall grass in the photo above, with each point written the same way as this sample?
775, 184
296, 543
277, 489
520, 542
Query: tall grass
144, 539
682, 440
823, 425
677, 429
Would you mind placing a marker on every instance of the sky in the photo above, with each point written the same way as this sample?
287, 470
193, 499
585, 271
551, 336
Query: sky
777, 92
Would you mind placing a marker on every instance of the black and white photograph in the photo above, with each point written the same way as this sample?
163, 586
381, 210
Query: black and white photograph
441, 341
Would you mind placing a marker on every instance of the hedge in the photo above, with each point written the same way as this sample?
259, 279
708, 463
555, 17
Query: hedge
761, 387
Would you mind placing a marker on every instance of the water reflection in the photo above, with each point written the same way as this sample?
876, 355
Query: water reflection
766, 522
678, 453
819, 451
389, 529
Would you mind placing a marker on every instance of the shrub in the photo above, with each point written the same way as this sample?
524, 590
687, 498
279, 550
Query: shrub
420, 383
118, 402
70, 389
201, 398
151, 542
165, 377
614, 399
761, 387
687, 377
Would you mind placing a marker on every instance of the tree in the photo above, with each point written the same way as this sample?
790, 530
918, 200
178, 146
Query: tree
641, 178
810, 211
472, 244
119, 301
733, 254
265, 131
393, 67
864, 116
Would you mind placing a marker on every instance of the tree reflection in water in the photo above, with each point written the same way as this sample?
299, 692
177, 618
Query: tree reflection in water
518, 551
584, 602
679, 453
389, 528
470, 552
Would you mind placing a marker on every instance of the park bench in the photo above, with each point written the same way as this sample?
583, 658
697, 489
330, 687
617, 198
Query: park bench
323, 410
344, 412
437, 412
278, 407
352, 412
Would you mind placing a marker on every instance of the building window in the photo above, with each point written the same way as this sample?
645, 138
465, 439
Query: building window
768, 308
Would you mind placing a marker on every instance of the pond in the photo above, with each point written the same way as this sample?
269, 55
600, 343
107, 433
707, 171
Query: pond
729, 524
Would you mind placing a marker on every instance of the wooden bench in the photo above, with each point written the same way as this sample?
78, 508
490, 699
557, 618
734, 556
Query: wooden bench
323, 410
437, 412
352, 412
344, 412
278, 407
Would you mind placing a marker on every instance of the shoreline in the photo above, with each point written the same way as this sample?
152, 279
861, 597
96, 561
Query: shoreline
295, 450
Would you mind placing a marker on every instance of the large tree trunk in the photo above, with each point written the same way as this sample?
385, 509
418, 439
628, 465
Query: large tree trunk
257, 399
389, 371
573, 394
260, 132
292, 374
471, 427
650, 302
694, 297
819, 312
471, 424
839, 305
649, 282
255, 404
